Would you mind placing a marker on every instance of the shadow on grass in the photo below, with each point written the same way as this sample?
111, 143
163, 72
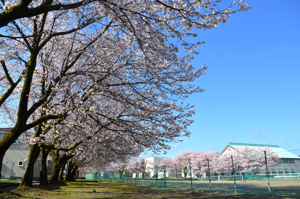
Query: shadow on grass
13, 195
51, 187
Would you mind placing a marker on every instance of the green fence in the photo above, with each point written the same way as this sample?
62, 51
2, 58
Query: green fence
287, 185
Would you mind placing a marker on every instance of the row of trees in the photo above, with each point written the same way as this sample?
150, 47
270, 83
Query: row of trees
244, 160
93, 82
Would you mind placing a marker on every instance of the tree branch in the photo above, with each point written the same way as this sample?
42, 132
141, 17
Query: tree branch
41, 120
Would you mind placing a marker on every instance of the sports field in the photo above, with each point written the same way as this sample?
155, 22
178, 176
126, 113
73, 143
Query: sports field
278, 187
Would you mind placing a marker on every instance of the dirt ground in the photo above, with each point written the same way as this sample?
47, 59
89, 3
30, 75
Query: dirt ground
278, 187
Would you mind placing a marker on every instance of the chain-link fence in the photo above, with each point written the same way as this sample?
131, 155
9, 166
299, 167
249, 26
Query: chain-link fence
287, 185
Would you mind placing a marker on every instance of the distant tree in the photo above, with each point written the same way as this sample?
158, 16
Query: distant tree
247, 159
186, 161
204, 158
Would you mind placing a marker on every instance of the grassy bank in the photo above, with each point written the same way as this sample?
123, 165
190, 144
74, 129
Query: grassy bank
92, 189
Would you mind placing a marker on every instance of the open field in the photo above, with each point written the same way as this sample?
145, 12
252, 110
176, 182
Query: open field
281, 188
93, 189
278, 187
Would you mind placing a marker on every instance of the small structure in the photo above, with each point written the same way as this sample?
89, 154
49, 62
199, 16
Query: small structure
289, 163
153, 167
15, 160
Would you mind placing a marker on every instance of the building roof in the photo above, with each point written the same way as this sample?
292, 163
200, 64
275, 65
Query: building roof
5, 130
282, 153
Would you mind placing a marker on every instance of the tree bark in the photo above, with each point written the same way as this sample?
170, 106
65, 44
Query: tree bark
69, 173
1, 160
74, 173
32, 157
58, 162
55, 169
44, 169
61, 172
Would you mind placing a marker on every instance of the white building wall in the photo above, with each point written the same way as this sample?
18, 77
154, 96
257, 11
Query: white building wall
297, 166
14, 161
153, 168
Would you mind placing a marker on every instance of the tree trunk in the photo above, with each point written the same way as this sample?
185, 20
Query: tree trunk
32, 157
55, 169
74, 173
61, 172
58, 162
44, 169
69, 173
77, 173
2, 153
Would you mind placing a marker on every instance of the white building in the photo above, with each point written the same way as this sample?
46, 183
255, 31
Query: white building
15, 159
289, 164
153, 167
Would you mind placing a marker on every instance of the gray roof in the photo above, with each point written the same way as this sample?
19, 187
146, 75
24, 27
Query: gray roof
282, 153
5, 130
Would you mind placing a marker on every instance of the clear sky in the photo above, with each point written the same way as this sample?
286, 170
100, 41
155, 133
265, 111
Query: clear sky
252, 83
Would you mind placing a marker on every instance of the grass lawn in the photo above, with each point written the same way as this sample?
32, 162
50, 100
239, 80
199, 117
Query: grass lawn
8, 181
93, 189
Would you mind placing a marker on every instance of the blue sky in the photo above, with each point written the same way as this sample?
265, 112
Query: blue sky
252, 83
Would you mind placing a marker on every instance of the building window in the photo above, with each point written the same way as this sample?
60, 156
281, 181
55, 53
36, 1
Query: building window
20, 164
285, 161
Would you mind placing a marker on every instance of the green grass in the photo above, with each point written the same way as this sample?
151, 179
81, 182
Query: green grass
92, 189
9, 181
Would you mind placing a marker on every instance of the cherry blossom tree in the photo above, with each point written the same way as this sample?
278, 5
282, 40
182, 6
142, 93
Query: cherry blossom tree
109, 55
202, 159
167, 164
186, 161
247, 159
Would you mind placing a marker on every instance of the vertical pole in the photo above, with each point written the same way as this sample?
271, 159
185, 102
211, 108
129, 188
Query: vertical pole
135, 176
209, 175
165, 176
156, 176
176, 176
233, 175
267, 174
191, 174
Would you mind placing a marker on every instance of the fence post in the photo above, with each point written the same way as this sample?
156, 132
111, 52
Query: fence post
233, 175
209, 175
135, 176
191, 175
165, 175
176, 176
267, 173
156, 176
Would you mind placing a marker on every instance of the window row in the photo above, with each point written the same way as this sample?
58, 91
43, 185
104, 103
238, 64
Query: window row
287, 161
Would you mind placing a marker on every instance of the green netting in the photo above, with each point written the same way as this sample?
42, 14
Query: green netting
280, 185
